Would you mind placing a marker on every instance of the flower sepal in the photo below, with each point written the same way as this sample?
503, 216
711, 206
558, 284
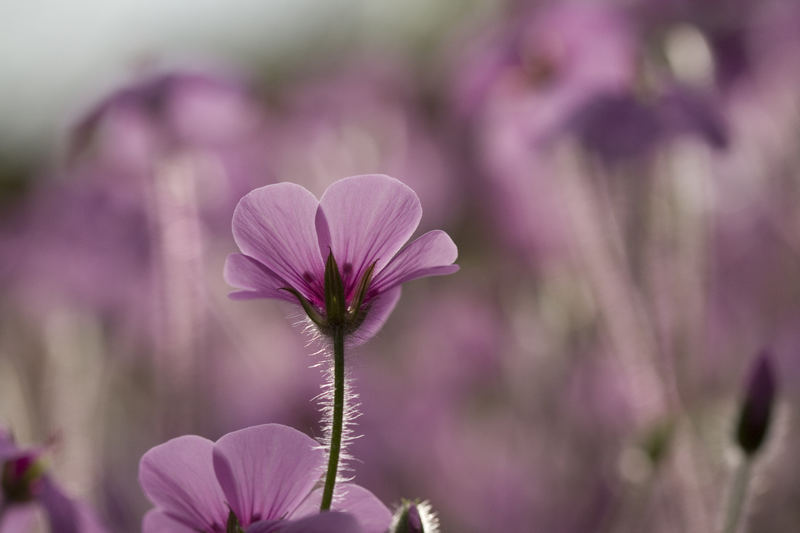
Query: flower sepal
22, 477
233, 524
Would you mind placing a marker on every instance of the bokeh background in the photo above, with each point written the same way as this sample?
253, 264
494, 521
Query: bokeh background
621, 178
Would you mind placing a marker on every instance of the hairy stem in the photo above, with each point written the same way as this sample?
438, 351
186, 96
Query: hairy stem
738, 496
337, 419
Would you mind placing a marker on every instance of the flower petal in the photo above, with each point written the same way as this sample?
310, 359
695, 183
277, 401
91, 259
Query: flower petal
266, 471
329, 522
432, 254
178, 476
258, 281
366, 219
157, 521
372, 515
380, 309
62, 514
276, 226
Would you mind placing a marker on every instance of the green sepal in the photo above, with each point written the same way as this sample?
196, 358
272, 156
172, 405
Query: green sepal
21, 488
361, 292
335, 305
233, 524
315, 316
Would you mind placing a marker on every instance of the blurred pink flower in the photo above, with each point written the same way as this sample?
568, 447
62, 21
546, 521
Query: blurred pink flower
26, 487
284, 233
519, 87
366, 116
264, 475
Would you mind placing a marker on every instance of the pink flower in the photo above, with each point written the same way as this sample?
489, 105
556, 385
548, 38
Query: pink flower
26, 487
260, 478
360, 224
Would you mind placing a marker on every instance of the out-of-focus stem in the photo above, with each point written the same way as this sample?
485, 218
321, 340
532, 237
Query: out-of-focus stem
738, 496
337, 419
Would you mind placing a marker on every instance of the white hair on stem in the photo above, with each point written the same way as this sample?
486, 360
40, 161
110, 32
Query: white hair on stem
322, 353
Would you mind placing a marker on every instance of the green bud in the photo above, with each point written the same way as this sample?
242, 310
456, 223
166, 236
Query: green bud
756, 410
658, 439
414, 517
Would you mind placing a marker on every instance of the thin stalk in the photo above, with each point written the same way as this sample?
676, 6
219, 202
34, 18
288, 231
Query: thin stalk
337, 419
738, 496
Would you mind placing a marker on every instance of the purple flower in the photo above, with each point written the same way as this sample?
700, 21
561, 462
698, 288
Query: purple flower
360, 223
262, 478
620, 125
364, 116
25, 486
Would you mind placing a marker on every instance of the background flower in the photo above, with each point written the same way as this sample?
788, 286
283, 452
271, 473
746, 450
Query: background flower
621, 180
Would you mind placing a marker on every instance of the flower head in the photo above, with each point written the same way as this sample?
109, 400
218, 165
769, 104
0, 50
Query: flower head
26, 486
340, 257
259, 480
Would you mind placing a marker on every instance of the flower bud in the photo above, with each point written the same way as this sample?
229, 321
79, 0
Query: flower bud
756, 410
414, 517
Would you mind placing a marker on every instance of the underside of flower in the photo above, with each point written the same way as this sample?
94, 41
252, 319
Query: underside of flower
342, 257
338, 312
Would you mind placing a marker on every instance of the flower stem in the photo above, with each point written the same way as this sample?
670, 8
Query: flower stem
337, 419
738, 496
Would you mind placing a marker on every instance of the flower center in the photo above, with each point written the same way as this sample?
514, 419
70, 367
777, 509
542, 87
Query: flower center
21, 478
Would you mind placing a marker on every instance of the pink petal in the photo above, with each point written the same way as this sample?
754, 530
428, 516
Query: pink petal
275, 225
432, 254
372, 515
258, 281
266, 471
62, 513
329, 522
380, 309
178, 476
366, 219
157, 521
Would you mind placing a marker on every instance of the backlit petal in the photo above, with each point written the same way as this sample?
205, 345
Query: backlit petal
275, 225
432, 254
266, 471
372, 515
366, 219
178, 476
257, 280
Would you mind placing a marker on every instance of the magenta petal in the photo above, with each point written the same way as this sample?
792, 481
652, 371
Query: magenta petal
330, 522
379, 311
258, 281
432, 254
366, 219
372, 515
157, 521
266, 471
178, 476
275, 225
